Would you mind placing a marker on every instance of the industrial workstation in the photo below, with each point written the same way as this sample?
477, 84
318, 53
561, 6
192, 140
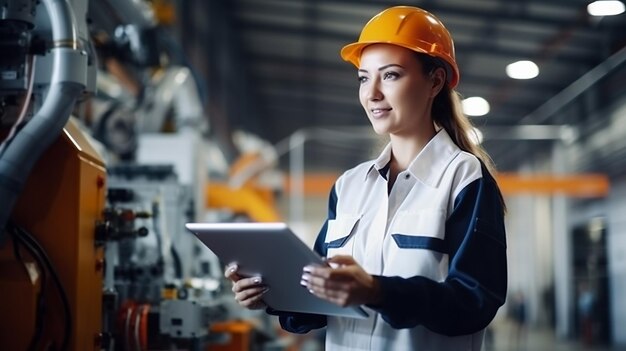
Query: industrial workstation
121, 121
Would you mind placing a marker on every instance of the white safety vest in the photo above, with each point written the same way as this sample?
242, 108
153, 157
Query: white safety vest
436, 244
366, 216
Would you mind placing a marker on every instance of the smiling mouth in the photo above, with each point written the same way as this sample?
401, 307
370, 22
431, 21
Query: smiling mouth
380, 110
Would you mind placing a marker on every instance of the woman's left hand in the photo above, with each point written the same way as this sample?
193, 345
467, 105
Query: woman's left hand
344, 282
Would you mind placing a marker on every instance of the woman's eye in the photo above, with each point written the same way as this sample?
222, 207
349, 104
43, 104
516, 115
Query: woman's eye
390, 75
362, 79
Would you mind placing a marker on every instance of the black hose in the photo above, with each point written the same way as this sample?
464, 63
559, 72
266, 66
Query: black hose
30, 241
40, 310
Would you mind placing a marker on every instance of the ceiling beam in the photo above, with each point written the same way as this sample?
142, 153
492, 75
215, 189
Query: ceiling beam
583, 84
485, 48
442, 9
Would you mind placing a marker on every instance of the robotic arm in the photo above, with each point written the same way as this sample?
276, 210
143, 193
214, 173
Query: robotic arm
55, 33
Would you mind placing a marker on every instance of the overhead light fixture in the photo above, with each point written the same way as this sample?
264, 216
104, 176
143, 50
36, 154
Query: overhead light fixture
475, 106
605, 8
522, 70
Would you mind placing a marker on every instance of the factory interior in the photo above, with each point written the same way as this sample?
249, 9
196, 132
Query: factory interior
123, 120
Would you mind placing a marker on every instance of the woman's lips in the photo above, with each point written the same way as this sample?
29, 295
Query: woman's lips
379, 112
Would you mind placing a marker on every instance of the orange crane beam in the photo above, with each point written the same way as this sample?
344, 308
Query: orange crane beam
587, 185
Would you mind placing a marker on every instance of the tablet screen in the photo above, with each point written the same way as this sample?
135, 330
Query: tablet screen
274, 252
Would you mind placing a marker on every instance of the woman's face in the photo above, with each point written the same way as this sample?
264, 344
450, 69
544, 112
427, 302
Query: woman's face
395, 93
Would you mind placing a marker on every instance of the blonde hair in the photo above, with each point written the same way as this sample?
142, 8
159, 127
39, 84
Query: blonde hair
448, 114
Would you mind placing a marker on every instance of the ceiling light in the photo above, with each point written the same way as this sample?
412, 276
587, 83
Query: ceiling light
522, 70
475, 106
605, 8
475, 136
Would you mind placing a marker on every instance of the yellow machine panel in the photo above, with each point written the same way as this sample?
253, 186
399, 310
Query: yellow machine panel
60, 204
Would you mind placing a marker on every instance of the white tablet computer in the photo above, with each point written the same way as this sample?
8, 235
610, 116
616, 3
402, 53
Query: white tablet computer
274, 252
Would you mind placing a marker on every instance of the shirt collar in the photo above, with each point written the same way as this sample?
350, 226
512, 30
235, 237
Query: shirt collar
430, 164
381, 164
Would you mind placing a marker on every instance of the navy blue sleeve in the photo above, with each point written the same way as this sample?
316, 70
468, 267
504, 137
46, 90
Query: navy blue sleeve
301, 323
320, 243
475, 287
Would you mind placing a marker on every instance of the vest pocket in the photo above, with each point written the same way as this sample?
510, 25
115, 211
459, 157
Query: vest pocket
422, 229
340, 230
420, 242
416, 245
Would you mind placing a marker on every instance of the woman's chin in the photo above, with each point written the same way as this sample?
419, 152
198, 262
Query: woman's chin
379, 129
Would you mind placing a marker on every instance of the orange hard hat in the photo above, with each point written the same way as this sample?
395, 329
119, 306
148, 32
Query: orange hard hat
409, 27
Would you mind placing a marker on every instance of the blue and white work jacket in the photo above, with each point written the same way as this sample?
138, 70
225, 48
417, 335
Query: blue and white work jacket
435, 243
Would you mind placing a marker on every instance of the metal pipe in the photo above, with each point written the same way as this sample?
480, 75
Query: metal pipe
64, 28
20, 154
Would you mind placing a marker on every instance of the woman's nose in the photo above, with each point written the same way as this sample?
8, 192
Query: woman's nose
373, 92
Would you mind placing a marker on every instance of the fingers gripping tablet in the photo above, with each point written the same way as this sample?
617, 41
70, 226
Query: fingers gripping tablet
274, 252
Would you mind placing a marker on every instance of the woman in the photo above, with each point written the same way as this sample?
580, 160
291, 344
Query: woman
417, 235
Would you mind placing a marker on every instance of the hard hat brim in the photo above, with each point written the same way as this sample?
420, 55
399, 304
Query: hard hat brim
352, 53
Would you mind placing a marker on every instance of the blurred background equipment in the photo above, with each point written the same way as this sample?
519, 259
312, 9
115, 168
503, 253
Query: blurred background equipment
103, 159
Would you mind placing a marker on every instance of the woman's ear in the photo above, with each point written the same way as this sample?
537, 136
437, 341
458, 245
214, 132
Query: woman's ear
438, 79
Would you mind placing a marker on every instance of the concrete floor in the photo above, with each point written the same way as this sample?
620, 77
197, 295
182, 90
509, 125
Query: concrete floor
505, 339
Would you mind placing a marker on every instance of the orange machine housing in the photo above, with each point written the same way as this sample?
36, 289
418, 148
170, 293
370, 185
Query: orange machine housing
63, 198
239, 332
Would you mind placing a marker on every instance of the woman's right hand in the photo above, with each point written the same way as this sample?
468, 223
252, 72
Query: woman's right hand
248, 291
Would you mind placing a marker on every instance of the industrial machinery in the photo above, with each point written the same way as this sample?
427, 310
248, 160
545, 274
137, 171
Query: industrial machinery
52, 181
94, 191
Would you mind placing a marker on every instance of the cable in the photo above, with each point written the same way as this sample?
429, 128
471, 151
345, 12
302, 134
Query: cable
40, 298
178, 266
39, 317
28, 239
30, 71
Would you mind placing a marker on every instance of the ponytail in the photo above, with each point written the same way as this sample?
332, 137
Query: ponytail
448, 114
